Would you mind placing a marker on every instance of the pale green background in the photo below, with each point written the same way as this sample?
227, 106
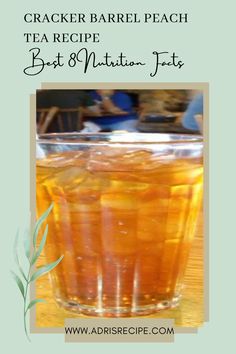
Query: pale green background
206, 44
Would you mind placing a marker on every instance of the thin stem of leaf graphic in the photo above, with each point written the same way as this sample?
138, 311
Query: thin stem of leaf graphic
25, 304
23, 284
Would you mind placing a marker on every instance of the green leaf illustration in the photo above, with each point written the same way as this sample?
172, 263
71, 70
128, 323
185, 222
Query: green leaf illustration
19, 283
39, 223
34, 302
45, 269
32, 259
41, 246
27, 245
16, 256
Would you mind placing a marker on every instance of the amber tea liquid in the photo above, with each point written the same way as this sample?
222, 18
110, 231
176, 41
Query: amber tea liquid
124, 219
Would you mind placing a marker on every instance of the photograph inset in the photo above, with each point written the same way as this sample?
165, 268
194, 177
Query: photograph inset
124, 172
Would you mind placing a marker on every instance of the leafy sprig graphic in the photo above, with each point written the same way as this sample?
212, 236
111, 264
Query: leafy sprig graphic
24, 278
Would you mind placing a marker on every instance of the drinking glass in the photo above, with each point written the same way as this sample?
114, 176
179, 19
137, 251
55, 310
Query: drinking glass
124, 215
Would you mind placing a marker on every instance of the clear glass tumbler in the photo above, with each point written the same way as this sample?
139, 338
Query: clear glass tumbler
124, 215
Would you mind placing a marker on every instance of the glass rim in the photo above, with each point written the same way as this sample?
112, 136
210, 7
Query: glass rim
110, 138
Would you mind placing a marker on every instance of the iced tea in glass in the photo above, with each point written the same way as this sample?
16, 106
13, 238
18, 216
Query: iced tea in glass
124, 216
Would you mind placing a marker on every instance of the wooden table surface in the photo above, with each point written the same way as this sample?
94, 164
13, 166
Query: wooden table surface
190, 313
